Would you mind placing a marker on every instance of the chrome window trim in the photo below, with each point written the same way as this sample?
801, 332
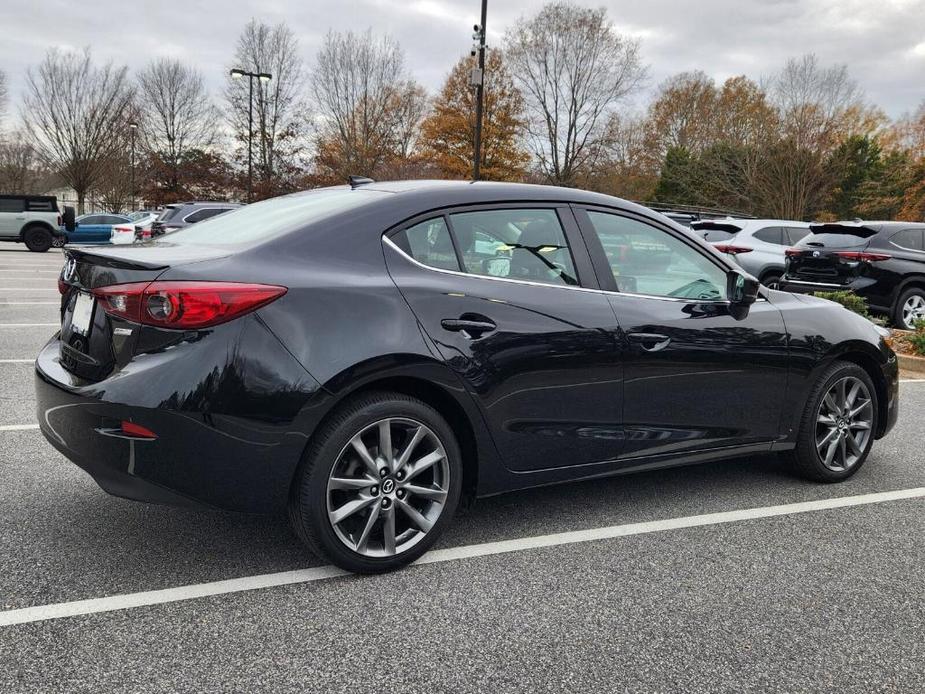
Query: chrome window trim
606, 292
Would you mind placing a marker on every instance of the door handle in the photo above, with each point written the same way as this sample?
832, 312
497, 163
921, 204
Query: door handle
650, 342
471, 327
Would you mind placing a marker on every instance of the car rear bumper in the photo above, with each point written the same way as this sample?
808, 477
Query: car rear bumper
201, 456
862, 286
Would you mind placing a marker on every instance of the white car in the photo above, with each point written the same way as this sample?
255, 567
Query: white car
124, 234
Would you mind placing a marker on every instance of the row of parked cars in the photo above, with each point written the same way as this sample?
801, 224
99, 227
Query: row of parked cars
883, 262
39, 222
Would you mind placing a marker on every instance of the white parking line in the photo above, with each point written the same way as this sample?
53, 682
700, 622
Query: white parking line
18, 427
30, 325
17, 361
912, 380
29, 303
29, 289
236, 585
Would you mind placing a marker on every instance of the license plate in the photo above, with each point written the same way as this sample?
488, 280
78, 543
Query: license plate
83, 313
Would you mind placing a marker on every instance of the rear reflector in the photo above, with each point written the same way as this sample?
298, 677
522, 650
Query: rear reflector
730, 248
184, 305
137, 431
863, 256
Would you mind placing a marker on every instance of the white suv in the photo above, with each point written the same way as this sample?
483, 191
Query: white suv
34, 220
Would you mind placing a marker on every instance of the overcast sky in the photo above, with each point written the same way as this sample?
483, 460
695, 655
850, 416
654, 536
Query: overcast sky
881, 41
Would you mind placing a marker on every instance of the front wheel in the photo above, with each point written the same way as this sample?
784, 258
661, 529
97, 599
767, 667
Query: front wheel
838, 424
771, 281
379, 483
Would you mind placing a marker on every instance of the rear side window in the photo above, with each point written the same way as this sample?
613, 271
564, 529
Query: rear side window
41, 206
911, 239
796, 234
12, 205
168, 213
523, 244
429, 243
93, 219
773, 235
200, 215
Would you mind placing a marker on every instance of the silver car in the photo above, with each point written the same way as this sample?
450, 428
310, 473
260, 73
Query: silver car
756, 245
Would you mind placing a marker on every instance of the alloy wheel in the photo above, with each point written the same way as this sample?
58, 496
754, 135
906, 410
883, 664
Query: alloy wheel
843, 424
913, 311
388, 487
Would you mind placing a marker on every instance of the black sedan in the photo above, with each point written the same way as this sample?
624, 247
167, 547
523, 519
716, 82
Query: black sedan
368, 355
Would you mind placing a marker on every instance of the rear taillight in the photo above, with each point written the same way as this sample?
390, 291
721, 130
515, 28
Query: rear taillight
62, 287
859, 256
184, 305
730, 248
793, 252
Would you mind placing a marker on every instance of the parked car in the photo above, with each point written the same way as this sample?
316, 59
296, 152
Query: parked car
34, 220
354, 354
756, 245
96, 227
183, 214
884, 262
138, 228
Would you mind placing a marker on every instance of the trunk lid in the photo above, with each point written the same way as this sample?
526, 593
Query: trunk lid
828, 255
93, 343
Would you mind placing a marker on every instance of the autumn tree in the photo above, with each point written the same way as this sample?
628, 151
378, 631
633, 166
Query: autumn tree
278, 132
573, 69
74, 113
368, 109
178, 117
448, 133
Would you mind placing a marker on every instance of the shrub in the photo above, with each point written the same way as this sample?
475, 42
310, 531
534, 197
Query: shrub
917, 339
849, 300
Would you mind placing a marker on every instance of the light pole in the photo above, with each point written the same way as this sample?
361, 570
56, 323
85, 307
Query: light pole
133, 126
478, 80
238, 73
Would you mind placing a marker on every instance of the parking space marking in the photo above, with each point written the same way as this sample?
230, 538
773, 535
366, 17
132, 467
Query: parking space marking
17, 361
127, 601
30, 325
18, 427
29, 303
29, 289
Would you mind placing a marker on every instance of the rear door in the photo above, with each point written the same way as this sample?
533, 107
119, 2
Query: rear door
498, 290
695, 376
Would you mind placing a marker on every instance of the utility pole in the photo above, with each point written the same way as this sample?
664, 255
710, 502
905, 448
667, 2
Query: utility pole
477, 79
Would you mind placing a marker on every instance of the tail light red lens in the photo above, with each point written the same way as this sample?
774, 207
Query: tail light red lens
185, 305
793, 252
730, 248
859, 256
62, 287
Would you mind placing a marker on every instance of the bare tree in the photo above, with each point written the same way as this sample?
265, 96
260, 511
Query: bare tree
74, 114
20, 170
277, 117
4, 96
573, 68
367, 107
178, 116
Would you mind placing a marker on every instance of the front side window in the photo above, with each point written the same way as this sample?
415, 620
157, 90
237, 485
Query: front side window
648, 260
12, 205
521, 244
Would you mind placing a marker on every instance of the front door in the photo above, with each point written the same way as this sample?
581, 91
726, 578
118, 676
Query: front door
696, 375
498, 292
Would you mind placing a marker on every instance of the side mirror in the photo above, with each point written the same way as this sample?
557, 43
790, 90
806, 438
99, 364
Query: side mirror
742, 289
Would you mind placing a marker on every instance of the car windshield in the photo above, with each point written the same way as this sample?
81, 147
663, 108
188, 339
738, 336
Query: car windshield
135, 216
264, 220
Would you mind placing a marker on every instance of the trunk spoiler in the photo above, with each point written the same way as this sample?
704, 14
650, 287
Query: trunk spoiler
107, 258
850, 228
716, 226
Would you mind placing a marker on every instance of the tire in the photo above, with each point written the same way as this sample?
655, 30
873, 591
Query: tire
37, 239
771, 278
909, 308
332, 459
808, 457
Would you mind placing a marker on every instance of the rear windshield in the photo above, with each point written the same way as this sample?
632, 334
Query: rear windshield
265, 220
168, 213
834, 236
715, 231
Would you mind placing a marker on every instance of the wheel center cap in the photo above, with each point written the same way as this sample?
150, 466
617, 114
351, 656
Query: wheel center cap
388, 486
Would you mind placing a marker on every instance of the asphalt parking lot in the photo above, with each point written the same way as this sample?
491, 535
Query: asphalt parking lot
824, 596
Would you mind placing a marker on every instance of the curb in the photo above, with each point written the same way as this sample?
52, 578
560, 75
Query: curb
910, 363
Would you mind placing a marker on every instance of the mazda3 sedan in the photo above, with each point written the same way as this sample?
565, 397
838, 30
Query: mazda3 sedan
368, 355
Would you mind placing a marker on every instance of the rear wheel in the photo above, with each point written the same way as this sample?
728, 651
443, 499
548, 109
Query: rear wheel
37, 239
379, 483
909, 309
838, 424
